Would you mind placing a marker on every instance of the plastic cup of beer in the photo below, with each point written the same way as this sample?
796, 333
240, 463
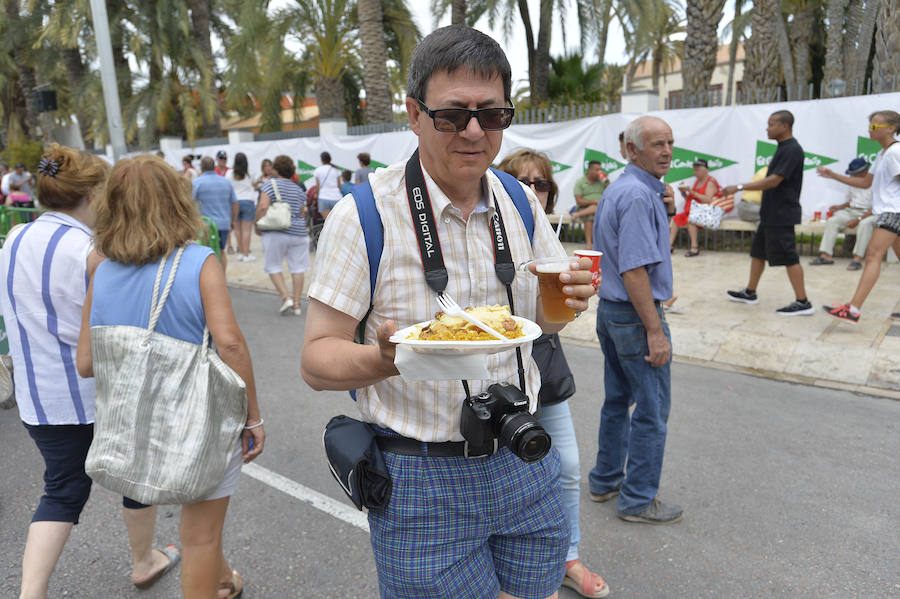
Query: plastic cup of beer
595, 258
553, 299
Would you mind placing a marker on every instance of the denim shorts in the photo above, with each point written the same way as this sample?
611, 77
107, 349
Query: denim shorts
469, 528
325, 205
246, 210
889, 221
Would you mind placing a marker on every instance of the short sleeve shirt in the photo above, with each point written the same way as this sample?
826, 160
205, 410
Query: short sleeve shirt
362, 174
632, 230
588, 191
215, 196
428, 410
781, 205
885, 185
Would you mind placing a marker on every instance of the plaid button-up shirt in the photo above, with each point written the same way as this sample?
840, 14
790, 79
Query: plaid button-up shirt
428, 410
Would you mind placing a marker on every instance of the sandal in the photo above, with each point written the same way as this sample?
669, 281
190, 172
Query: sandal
854, 265
235, 586
592, 584
692, 252
818, 260
174, 557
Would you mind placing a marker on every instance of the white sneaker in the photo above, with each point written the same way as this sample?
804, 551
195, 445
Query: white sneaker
240, 258
298, 311
286, 305
249, 258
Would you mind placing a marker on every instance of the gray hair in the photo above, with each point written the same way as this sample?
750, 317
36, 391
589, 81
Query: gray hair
207, 164
455, 47
634, 133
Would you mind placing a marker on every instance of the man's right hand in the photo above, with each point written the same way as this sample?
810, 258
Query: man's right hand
660, 349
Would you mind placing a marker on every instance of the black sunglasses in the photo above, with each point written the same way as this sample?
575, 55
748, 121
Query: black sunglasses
452, 120
538, 184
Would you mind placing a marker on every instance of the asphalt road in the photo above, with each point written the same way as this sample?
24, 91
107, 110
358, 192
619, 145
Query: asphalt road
789, 491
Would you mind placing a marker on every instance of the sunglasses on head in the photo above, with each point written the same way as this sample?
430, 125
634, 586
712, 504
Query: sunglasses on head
538, 184
453, 120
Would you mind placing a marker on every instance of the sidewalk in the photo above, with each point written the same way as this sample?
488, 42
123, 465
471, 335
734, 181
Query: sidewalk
713, 331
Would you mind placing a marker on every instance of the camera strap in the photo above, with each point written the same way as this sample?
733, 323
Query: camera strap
430, 245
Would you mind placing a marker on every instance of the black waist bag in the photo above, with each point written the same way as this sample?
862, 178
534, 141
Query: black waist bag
557, 382
356, 462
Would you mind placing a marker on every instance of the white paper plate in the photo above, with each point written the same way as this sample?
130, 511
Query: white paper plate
530, 329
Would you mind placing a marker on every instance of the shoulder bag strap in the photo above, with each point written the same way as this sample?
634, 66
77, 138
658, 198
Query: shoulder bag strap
275, 189
157, 302
520, 200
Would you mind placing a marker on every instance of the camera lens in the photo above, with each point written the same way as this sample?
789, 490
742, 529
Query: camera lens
524, 436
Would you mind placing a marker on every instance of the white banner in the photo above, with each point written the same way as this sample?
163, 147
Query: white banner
732, 139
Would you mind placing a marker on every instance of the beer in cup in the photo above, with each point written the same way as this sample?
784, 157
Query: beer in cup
595, 257
552, 297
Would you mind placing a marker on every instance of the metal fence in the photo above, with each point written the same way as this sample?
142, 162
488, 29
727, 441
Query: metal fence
563, 112
278, 135
377, 128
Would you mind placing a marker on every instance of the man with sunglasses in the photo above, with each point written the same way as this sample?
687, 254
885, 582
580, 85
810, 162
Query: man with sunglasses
459, 524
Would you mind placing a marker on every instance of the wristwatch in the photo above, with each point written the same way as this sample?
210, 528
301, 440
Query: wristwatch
740, 187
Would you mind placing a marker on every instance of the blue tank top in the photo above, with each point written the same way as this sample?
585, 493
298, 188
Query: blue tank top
122, 295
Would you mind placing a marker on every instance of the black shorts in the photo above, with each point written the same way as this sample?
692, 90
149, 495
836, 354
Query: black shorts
775, 244
889, 221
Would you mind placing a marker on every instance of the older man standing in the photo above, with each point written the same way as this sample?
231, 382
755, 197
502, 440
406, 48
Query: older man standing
632, 231
217, 201
463, 520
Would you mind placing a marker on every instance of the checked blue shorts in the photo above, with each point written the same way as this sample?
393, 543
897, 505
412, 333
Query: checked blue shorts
469, 528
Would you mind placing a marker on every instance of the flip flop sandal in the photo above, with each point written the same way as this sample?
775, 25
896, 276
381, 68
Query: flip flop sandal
818, 260
692, 253
854, 265
234, 592
588, 587
174, 557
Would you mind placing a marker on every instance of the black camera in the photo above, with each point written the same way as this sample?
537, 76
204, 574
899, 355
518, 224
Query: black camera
502, 413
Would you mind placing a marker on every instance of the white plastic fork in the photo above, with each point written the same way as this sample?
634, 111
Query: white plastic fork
449, 305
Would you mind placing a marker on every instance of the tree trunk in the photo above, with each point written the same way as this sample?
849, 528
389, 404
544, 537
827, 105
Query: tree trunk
330, 98
23, 66
529, 42
732, 51
374, 55
866, 31
603, 35
200, 34
761, 56
458, 12
801, 38
784, 52
541, 91
852, 37
701, 46
75, 72
834, 38
886, 68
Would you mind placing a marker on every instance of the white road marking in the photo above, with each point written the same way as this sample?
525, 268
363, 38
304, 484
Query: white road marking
317, 500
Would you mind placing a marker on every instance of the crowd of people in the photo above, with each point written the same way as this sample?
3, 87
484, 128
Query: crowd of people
506, 524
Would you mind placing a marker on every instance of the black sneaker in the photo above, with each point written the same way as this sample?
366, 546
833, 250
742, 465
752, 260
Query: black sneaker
656, 513
744, 295
797, 308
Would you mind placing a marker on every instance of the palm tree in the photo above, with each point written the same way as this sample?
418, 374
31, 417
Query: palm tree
836, 13
594, 18
18, 31
738, 28
886, 68
761, 53
374, 57
571, 81
326, 28
868, 16
701, 45
200, 35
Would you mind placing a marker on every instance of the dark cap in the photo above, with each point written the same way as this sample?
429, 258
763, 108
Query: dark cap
20, 165
701, 162
221, 154
856, 166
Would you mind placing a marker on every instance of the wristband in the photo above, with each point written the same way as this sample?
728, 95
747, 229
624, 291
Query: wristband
253, 426
740, 187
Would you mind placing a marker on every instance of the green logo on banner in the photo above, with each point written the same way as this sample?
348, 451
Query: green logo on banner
608, 163
558, 167
683, 163
304, 170
765, 151
868, 149
376, 164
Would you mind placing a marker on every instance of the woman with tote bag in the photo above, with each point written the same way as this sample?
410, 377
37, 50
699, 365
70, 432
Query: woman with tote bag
178, 411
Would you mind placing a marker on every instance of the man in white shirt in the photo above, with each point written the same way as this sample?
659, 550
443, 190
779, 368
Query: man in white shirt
456, 525
856, 213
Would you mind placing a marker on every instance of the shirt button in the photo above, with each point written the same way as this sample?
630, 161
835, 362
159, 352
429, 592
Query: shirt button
447, 220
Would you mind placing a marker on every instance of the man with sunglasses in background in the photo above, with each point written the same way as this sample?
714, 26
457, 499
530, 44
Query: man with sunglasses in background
462, 521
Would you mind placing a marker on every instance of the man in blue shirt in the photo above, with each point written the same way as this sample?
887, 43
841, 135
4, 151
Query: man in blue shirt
217, 201
631, 229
